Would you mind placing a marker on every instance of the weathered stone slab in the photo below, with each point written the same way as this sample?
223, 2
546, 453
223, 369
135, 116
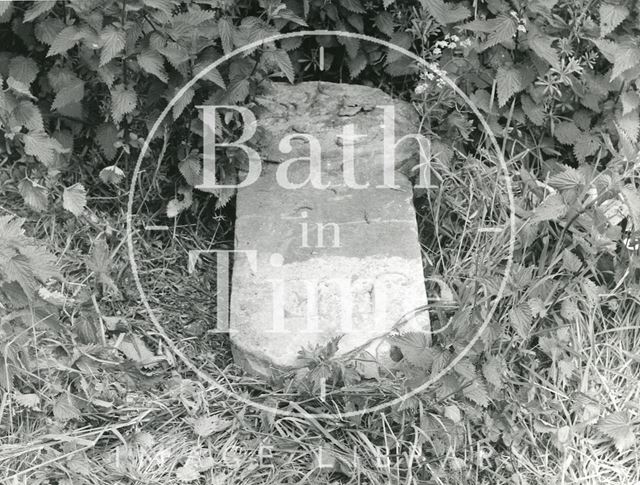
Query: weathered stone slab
324, 262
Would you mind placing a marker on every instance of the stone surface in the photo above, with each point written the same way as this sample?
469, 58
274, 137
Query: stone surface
366, 274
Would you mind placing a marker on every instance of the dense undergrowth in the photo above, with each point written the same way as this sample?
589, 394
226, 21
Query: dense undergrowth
549, 393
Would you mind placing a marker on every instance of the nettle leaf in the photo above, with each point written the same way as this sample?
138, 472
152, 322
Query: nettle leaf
625, 58
205, 426
66, 39
477, 392
153, 63
570, 261
48, 29
165, 6
34, 195
226, 28
190, 169
533, 111
540, 44
629, 124
509, 82
279, 60
569, 178
70, 93
611, 16
23, 69
551, 209
630, 101
521, 319
182, 103
494, 370
569, 309
123, 101
504, 28
31, 401
177, 205
64, 409
357, 65
38, 8
585, 146
112, 41
415, 349
74, 199
445, 13
28, 115
619, 427
385, 24
111, 175
38, 144
107, 136
567, 133
353, 6
632, 200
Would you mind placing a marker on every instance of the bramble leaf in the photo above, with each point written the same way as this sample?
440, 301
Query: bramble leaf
619, 428
611, 16
112, 41
111, 174
123, 101
509, 82
74, 199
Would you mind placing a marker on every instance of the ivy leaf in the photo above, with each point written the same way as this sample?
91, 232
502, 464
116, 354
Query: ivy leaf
70, 93
153, 63
74, 199
107, 136
509, 82
445, 13
34, 195
65, 40
112, 41
619, 428
23, 69
611, 16
551, 209
567, 133
123, 101
521, 319
111, 174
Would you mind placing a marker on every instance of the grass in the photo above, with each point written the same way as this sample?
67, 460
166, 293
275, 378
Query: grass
159, 422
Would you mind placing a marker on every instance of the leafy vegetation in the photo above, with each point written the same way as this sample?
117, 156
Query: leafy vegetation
549, 392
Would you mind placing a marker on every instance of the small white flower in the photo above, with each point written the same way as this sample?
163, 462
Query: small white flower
452, 45
437, 51
421, 88
522, 28
430, 76
455, 38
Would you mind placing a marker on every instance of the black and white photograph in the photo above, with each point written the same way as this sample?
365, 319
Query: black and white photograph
323, 242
